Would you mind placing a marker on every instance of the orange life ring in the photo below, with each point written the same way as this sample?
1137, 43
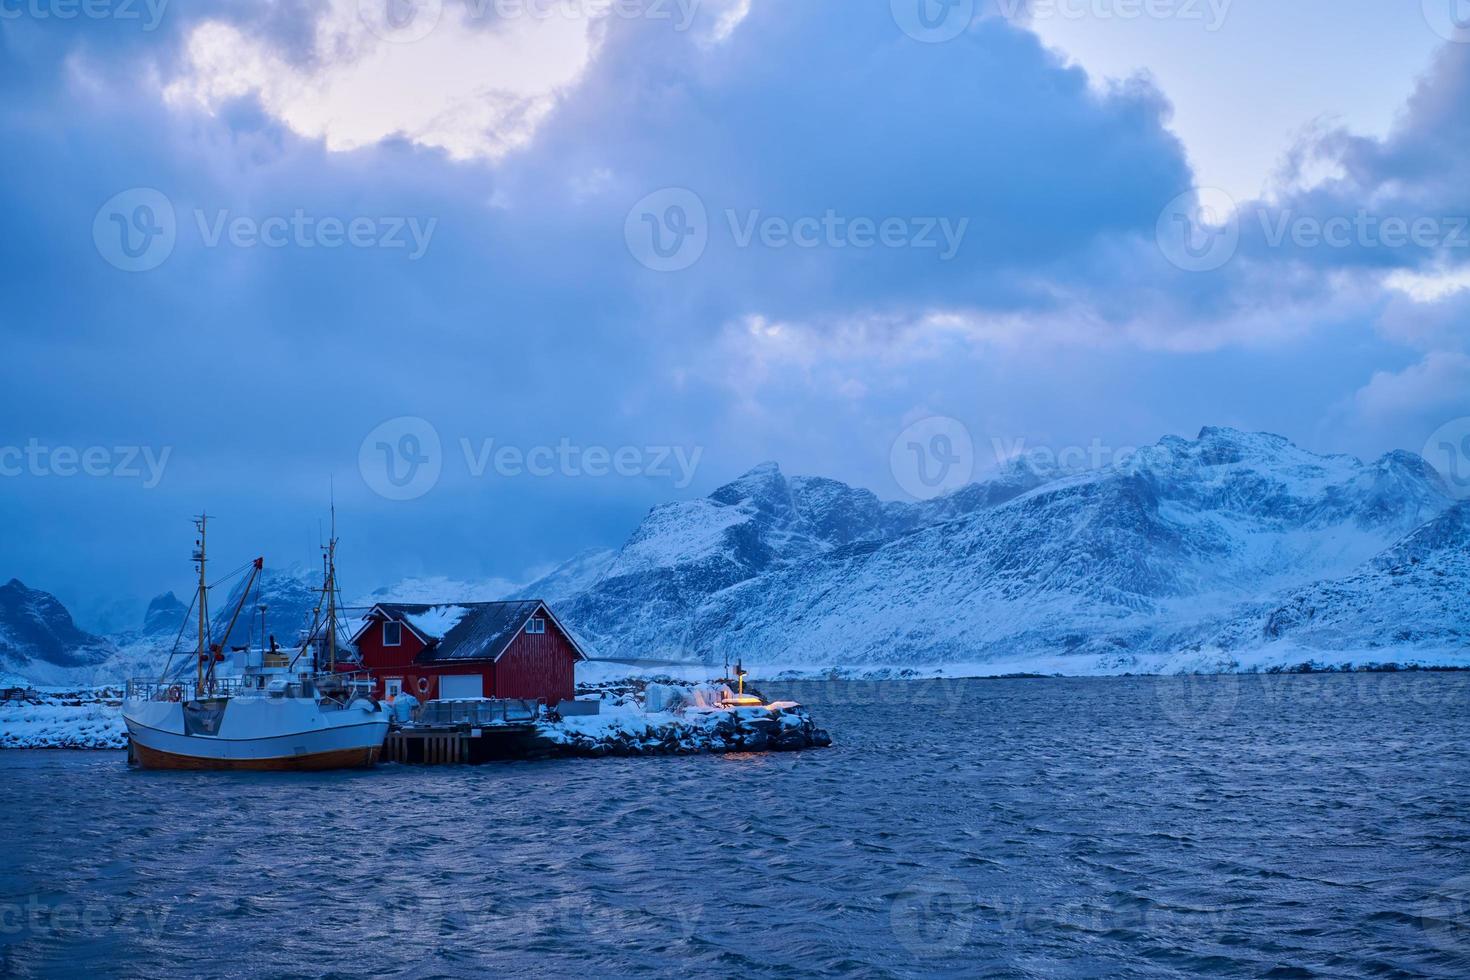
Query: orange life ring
423, 685
176, 693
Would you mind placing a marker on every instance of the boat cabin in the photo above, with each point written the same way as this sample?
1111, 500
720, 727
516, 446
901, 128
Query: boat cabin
469, 650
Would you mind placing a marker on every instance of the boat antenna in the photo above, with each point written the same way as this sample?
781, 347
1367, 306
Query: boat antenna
262, 607
200, 524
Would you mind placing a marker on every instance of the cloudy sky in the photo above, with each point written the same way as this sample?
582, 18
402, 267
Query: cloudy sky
502, 274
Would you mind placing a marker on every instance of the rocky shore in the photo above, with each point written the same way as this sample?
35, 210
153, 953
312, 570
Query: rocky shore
635, 718
639, 719
88, 718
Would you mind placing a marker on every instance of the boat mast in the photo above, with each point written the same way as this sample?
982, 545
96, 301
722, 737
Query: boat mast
327, 598
332, 594
200, 523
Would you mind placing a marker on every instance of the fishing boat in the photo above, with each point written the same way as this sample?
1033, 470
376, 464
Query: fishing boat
277, 712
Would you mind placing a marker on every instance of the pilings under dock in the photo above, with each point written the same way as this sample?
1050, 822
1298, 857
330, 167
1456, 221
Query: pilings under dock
457, 745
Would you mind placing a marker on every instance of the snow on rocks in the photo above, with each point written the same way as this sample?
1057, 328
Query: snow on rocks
679, 719
637, 718
89, 719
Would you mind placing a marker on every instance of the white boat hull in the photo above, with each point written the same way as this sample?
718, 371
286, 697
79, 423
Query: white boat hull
254, 733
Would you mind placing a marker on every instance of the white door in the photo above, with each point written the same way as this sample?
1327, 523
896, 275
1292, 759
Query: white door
455, 686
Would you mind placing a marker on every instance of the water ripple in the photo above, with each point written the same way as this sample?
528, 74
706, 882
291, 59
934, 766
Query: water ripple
1298, 827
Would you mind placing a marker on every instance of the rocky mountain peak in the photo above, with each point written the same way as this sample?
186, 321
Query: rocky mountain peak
1228, 435
764, 486
1121, 564
36, 630
165, 614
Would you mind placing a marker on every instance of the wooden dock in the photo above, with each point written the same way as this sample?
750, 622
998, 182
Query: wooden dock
457, 745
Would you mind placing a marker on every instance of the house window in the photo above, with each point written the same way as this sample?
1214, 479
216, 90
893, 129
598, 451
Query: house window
392, 634
392, 687
536, 625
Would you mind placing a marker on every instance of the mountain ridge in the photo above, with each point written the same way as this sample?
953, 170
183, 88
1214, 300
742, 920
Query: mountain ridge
1233, 550
39, 639
1121, 567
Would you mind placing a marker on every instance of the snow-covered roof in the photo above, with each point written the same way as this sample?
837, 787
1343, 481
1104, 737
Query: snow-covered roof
436, 622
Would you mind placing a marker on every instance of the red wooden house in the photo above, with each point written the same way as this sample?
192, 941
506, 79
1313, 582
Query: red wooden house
469, 650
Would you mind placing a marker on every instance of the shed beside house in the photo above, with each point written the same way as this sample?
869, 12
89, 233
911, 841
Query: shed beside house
469, 650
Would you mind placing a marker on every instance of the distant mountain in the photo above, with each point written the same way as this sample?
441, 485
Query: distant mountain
165, 616
290, 596
1174, 558
38, 639
438, 588
1229, 551
107, 615
569, 578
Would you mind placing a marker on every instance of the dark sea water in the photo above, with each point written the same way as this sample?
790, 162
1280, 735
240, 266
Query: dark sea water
1235, 826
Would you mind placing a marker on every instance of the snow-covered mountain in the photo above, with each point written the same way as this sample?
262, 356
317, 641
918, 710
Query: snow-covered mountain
38, 639
433, 589
1412, 595
1175, 558
135, 652
1233, 550
570, 578
164, 617
290, 596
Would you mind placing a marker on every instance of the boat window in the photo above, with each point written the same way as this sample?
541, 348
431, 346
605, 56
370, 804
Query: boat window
536, 626
392, 634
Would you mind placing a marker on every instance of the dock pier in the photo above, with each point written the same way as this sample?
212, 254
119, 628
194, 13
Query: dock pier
463, 732
457, 744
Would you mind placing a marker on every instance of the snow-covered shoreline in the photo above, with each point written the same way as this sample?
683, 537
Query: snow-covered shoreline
90, 718
680, 719
1275, 658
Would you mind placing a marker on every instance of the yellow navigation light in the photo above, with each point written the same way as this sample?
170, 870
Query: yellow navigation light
741, 699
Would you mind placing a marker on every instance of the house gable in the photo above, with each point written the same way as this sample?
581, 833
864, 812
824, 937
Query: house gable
497, 641
376, 654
